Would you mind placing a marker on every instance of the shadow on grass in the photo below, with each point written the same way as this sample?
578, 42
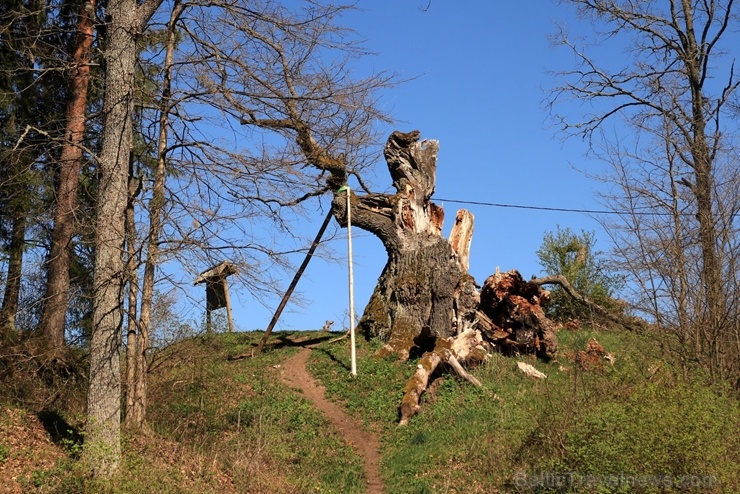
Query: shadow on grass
61, 432
315, 341
286, 341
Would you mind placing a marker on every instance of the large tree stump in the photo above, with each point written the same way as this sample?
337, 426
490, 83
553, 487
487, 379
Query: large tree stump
414, 302
425, 301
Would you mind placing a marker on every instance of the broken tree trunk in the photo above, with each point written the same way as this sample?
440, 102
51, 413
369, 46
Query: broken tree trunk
414, 301
512, 316
468, 347
425, 302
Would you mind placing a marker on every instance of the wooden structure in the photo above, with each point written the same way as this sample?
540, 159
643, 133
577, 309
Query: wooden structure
217, 290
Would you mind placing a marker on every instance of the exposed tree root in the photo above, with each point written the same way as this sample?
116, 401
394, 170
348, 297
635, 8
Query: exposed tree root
467, 347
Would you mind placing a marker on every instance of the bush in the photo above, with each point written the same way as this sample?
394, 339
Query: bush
571, 255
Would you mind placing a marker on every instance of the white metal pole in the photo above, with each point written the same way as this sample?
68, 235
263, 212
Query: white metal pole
353, 355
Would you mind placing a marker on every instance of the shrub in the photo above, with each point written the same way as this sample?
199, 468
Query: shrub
572, 255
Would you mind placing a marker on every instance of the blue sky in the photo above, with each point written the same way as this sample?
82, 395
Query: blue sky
478, 73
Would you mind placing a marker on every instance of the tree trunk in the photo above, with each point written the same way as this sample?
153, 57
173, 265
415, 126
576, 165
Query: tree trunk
57, 284
425, 302
14, 272
136, 414
102, 443
414, 301
711, 268
133, 299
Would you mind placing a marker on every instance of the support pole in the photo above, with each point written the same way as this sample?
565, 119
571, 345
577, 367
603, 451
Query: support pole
228, 307
293, 283
353, 355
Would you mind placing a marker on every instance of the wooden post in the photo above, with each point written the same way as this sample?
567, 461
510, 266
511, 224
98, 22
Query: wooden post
228, 307
293, 283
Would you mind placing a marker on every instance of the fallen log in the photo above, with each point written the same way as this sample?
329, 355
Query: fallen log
562, 281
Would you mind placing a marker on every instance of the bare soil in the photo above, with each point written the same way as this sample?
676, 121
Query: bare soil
295, 374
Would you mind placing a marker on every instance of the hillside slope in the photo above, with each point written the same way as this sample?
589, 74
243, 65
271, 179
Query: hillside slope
623, 424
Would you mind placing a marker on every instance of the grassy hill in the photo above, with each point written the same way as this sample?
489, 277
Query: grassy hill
222, 426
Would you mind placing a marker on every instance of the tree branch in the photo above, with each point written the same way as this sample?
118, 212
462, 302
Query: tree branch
563, 282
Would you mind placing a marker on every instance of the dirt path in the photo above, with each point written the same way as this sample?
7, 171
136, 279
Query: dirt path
295, 374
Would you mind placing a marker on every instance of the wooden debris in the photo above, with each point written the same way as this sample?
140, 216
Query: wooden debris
468, 347
591, 358
511, 314
507, 314
529, 370
461, 236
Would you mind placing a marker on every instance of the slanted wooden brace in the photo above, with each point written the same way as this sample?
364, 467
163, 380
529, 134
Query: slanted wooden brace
217, 290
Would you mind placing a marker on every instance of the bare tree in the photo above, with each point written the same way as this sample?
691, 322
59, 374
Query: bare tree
263, 69
234, 192
127, 20
210, 196
672, 163
136, 397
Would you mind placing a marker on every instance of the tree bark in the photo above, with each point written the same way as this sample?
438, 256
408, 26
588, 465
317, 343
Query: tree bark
469, 346
425, 302
414, 301
13, 277
102, 444
132, 278
137, 402
57, 284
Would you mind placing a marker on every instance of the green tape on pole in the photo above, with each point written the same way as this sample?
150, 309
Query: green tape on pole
343, 187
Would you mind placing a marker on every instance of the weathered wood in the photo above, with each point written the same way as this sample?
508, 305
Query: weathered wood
467, 347
425, 300
414, 301
530, 371
511, 314
217, 290
461, 237
417, 385
563, 282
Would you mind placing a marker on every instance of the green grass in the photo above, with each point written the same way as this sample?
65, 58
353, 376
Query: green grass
240, 411
229, 426
220, 426
620, 420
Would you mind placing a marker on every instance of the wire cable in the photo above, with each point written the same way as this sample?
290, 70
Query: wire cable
560, 210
